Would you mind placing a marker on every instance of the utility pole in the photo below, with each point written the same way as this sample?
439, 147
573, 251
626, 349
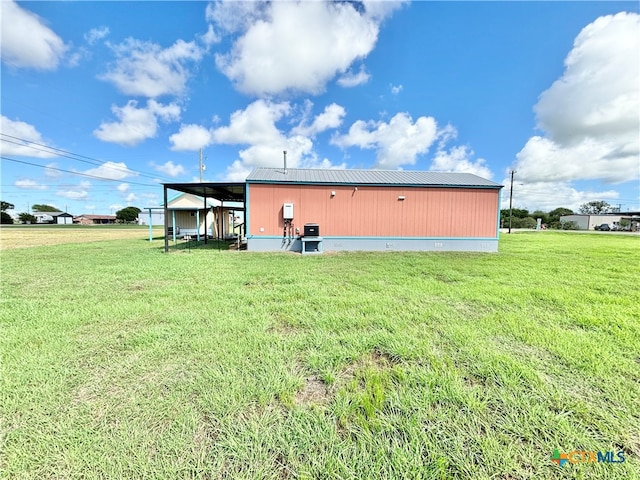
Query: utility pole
511, 200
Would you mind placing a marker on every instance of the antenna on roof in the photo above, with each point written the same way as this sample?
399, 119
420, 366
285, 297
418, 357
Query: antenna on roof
285, 161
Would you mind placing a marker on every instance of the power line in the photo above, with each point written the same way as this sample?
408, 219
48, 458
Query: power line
77, 173
73, 156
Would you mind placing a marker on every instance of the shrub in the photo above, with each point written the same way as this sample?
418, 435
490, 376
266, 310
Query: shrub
569, 226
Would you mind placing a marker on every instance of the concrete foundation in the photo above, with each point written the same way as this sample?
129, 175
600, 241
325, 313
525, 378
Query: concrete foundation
372, 244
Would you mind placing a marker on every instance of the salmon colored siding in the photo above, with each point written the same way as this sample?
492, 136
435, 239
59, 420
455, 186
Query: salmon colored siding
376, 211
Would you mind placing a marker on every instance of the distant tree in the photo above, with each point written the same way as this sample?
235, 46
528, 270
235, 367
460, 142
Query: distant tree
128, 214
6, 206
527, 222
540, 214
25, 217
595, 207
5, 218
41, 207
517, 212
554, 216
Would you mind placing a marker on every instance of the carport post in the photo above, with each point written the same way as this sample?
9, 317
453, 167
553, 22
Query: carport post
206, 214
150, 227
173, 219
166, 216
198, 223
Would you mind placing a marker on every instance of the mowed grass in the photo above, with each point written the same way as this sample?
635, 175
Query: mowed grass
25, 236
120, 361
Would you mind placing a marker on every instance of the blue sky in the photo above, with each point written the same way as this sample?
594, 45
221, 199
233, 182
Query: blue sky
103, 101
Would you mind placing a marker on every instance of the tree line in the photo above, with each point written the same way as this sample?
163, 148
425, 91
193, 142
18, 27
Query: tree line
124, 215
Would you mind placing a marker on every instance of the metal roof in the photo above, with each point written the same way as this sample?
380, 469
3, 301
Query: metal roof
223, 191
368, 177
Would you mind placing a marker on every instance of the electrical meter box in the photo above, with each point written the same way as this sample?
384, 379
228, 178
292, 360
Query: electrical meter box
287, 211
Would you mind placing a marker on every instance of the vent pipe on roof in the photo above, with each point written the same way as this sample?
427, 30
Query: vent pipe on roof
285, 161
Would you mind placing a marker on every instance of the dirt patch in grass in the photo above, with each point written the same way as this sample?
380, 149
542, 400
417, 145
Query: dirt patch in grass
314, 391
283, 468
205, 433
632, 445
376, 360
283, 325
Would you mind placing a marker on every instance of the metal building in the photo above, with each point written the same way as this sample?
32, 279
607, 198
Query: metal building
316, 210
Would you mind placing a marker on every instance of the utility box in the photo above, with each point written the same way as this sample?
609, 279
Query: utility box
311, 230
287, 211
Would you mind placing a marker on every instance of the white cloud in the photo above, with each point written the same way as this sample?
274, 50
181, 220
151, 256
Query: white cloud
295, 46
543, 160
460, 159
136, 124
169, 169
145, 69
546, 196
396, 89
29, 184
26, 41
95, 34
256, 127
397, 143
190, 137
353, 79
131, 198
115, 207
233, 16
381, 9
313, 162
123, 187
80, 194
23, 133
111, 171
210, 37
590, 115
330, 118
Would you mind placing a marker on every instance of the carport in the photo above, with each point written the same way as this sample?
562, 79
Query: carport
220, 191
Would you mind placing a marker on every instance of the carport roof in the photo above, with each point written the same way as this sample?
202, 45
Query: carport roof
223, 191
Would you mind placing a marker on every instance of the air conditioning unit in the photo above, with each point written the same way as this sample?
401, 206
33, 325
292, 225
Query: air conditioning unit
311, 230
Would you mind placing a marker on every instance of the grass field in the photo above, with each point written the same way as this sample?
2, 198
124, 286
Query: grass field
25, 236
120, 361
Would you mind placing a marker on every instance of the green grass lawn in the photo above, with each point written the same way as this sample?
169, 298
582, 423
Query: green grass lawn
120, 361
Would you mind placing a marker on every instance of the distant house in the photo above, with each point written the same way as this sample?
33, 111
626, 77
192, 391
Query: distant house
94, 219
64, 219
60, 218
